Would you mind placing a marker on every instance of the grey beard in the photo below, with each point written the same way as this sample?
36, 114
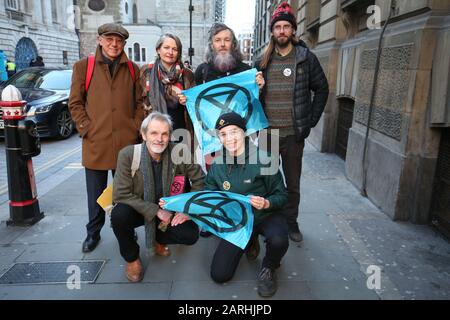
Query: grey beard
224, 62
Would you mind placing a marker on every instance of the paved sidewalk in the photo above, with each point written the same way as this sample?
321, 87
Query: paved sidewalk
344, 234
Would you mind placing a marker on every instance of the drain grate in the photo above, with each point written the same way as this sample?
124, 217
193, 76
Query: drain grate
52, 272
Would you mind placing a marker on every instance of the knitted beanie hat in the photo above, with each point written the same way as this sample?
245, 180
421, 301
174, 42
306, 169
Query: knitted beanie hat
283, 12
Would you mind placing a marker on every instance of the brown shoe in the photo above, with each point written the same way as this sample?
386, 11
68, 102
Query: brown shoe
135, 272
162, 250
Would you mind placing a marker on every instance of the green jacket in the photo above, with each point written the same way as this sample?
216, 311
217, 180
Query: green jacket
247, 179
130, 190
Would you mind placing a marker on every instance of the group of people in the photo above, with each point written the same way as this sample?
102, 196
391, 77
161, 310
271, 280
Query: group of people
125, 116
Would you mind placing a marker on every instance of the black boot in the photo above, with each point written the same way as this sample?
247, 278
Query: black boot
90, 243
267, 284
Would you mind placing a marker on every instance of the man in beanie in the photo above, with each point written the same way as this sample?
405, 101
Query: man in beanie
291, 71
241, 171
106, 105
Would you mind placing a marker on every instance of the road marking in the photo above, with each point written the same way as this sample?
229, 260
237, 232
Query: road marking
46, 166
74, 166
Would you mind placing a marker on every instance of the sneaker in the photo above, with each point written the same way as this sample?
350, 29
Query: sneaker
295, 234
253, 248
267, 284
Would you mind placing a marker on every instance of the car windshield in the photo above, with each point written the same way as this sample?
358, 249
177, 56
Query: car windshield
43, 79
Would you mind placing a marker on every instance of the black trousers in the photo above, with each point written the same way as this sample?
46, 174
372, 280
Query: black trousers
125, 219
291, 152
96, 182
227, 255
291, 155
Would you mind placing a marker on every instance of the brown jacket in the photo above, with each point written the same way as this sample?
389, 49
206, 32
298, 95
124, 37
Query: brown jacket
129, 190
109, 116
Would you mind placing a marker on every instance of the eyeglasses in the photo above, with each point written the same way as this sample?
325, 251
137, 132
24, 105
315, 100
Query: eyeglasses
110, 40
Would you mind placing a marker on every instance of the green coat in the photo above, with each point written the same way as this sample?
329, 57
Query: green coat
246, 179
130, 190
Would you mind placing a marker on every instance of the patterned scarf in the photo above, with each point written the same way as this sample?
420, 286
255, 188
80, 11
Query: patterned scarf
164, 86
147, 175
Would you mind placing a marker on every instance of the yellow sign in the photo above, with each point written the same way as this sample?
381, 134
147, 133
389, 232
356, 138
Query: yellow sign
105, 199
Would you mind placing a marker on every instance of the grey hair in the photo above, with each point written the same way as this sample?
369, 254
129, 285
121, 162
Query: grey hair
177, 41
235, 49
155, 115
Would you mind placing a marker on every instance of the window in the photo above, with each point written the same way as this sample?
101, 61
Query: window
65, 58
135, 14
96, 5
126, 7
144, 55
137, 52
130, 53
54, 11
12, 5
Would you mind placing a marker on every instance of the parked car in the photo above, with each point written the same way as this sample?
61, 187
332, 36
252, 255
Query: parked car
46, 91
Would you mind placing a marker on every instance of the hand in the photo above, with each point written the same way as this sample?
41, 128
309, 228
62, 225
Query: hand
162, 203
182, 99
164, 215
260, 80
179, 218
259, 202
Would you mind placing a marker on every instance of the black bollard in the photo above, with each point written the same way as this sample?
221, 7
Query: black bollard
21, 144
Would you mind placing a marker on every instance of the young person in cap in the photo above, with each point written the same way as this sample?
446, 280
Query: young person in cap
222, 58
292, 72
108, 113
237, 173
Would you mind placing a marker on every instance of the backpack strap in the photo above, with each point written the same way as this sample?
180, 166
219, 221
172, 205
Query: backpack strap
136, 159
130, 67
90, 71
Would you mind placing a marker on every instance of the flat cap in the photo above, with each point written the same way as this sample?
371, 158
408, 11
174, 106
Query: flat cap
113, 28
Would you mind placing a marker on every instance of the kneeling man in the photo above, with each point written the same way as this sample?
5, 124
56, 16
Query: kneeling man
136, 194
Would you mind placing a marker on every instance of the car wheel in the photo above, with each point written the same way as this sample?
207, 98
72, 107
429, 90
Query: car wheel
64, 124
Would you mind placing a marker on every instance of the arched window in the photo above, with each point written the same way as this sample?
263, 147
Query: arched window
126, 7
135, 14
137, 52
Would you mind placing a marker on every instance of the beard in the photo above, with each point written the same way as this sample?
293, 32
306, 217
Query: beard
224, 62
283, 42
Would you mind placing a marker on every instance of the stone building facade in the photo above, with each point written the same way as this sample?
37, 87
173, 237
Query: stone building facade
406, 170
147, 20
29, 28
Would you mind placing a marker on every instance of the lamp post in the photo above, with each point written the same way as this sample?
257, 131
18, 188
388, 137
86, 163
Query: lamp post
191, 49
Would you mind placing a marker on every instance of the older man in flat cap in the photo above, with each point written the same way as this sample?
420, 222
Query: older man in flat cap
105, 102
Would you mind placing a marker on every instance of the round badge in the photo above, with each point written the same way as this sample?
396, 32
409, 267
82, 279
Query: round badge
226, 185
287, 72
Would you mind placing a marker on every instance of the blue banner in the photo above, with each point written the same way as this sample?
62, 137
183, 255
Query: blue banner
206, 102
227, 215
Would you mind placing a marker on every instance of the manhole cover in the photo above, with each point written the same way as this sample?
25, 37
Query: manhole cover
52, 272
